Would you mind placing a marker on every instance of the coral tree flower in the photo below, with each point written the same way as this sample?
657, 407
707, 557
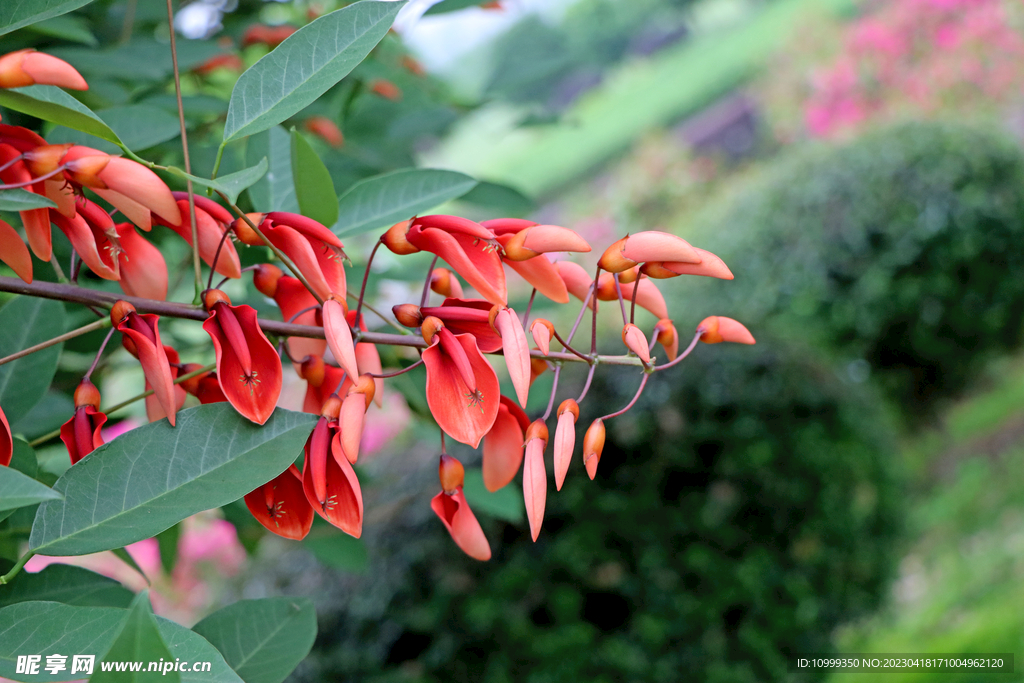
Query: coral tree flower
634, 339
248, 367
154, 410
6, 440
212, 222
515, 348
28, 67
14, 253
535, 478
368, 359
717, 328
565, 439
524, 241
328, 480
462, 389
281, 507
503, 445
710, 266
94, 237
325, 129
144, 332
666, 335
297, 306
650, 245
465, 316
339, 336
452, 509
468, 247
315, 250
593, 446
141, 265
81, 434
353, 415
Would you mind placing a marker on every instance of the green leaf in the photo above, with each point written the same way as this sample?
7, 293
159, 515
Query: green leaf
305, 66
18, 491
125, 557
67, 584
152, 477
385, 199
276, 190
499, 199
167, 542
232, 184
141, 126
505, 503
49, 414
141, 59
262, 640
24, 322
23, 461
45, 628
15, 14
452, 6
52, 104
18, 199
138, 640
340, 551
313, 187
69, 28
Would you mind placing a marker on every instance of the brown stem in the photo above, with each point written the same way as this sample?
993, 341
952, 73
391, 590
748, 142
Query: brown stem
89, 297
86, 329
586, 387
622, 304
629, 405
426, 284
529, 305
554, 390
585, 359
632, 302
385, 375
681, 356
366, 277
99, 354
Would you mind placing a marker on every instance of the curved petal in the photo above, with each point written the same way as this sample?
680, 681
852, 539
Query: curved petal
129, 208
463, 415
141, 265
93, 247
253, 399
565, 442
455, 225
339, 337
709, 266
454, 513
544, 275
350, 422
343, 506
281, 507
14, 253
210, 233
653, 245
470, 257
291, 297
144, 331
516, 351
468, 316
300, 251
81, 434
503, 445
649, 297
133, 180
576, 280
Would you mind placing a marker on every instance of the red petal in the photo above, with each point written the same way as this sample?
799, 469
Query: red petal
14, 253
339, 337
468, 316
141, 185
344, 501
565, 442
153, 358
142, 266
516, 351
291, 297
256, 400
281, 507
6, 440
649, 297
350, 423
91, 439
454, 512
503, 447
544, 275
467, 256
449, 398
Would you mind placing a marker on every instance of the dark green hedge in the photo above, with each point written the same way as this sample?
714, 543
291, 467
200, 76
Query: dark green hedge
743, 509
901, 250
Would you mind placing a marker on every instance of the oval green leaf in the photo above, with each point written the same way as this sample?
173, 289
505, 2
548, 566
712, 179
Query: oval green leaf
262, 640
276, 190
152, 477
15, 15
138, 640
67, 584
232, 184
45, 628
305, 66
52, 104
314, 189
24, 322
383, 200
141, 126
18, 199
18, 490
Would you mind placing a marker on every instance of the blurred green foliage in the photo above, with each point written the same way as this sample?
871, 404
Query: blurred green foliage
741, 511
897, 251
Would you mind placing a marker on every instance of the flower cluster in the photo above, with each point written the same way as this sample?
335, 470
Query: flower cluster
328, 344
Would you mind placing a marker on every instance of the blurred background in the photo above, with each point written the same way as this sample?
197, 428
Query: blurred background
853, 483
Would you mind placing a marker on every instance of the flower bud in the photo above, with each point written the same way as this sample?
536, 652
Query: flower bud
444, 282
365, 386
214, 296
394, 239
313, 370
630, 275
635, 340
612, 259
430, 327
665, 333
245, 233
119, 311
191, 385
451, 473
45, 158
86, 394
593, 444
542, 331
655, 269
717, 328
331, 408
570, 405
537, 430
408, 314
265, 278
606, 290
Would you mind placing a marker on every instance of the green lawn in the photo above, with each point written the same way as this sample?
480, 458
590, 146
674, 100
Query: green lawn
639, 96
961, 586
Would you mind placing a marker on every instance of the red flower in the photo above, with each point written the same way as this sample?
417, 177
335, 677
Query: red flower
451, 507
271, 36
14, 253
291, 297
515, 349
650, 245
212, 221
36, 221
94, 237
593, 445
386, 89
328, 480
468, 247
717, 328
467, 316
326, 129
565, 439
6, 440
462, 389
141, 265
144, 332
81, 434
503, 445
154, 411
314, 249
28, 67
281, 507
353, 414
368, 359
248, 367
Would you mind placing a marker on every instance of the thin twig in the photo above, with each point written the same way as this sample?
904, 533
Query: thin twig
57, 269
629, 405
6, 578
586, 387
586, 359
622, 304
85, 329
426, 284
96, 360
554, 390
188, 163
404, 370
684, 354
529, 305
366, 276
632, 303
